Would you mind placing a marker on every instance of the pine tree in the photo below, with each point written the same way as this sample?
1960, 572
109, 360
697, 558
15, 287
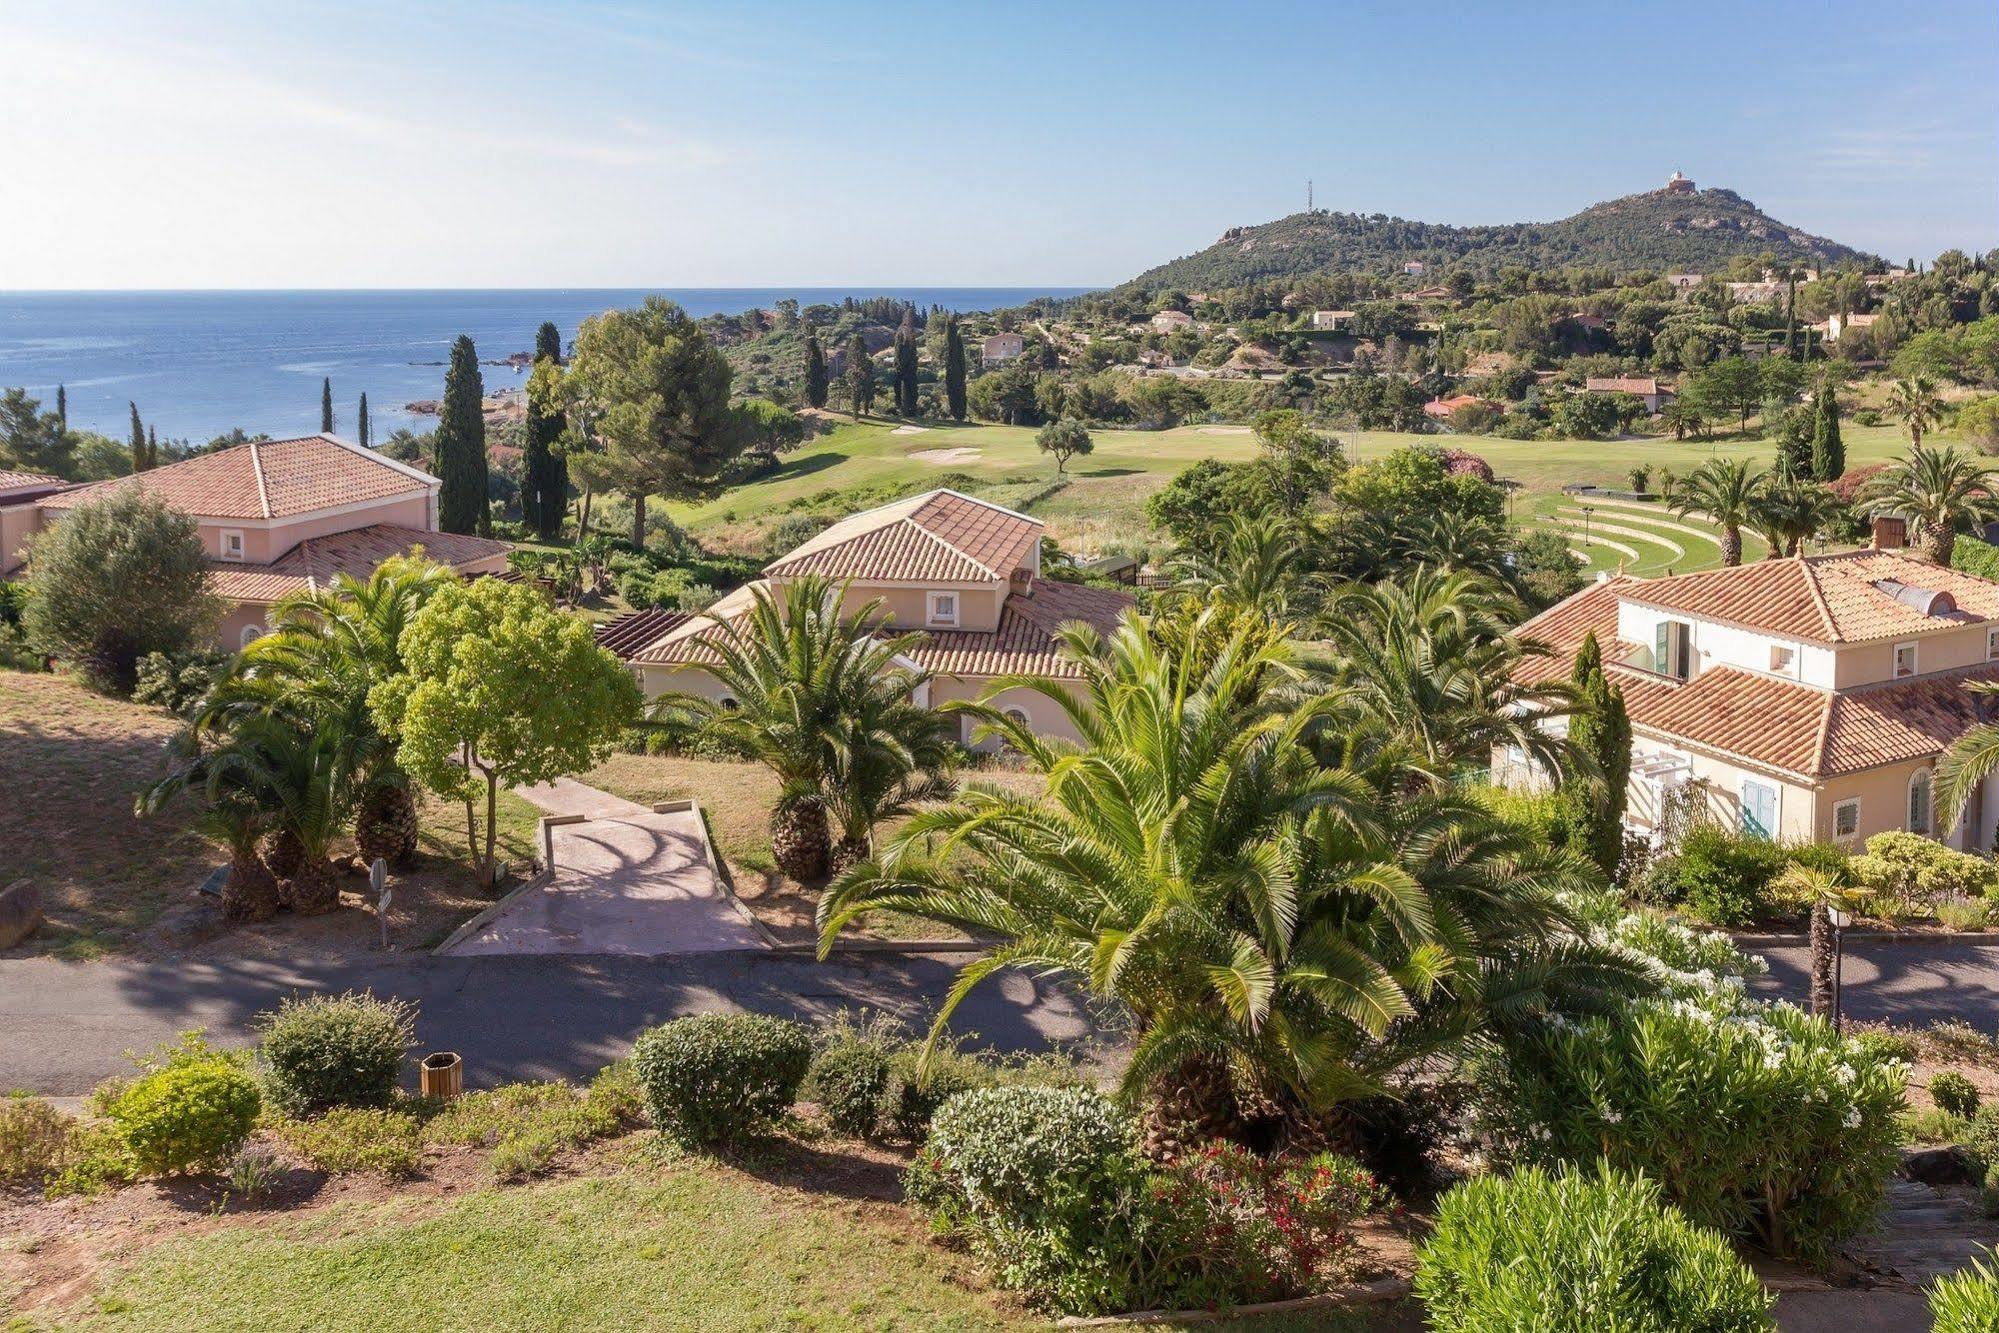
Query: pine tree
954, 369
860, 377
62, 409
1589, 812
544, 473
326, 406
137, 441
461, 444
1828, 450
905, 365
815, 371
361, 429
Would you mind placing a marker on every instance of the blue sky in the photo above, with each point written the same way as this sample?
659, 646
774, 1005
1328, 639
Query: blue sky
215, 143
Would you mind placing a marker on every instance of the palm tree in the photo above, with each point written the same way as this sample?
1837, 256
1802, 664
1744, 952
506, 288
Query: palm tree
1791, 512
1259, 564
1917, 405
1936, 490
1282, 934
1971, 758
329, 647
233, 787
891, 756
1725, 491
1426, 665
809, 692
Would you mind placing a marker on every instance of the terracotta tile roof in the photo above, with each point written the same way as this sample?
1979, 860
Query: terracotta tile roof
940, 536
28, 481
635, 629
1902, 720
1024, 643
1621, 384
267, 479
1564, 626
1825, 598
318, 559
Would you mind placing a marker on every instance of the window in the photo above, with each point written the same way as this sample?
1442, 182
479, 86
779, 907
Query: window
232, 543
1905, 660
1919, 803
1846, 818
1781, 657
1017, 716
1672, 649
251, 633
1992, 645
1759, 809
942, 608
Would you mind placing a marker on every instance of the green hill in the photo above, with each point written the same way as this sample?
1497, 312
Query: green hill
1694, 232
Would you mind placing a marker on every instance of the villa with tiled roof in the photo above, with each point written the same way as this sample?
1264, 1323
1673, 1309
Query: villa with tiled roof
1810, 696
276, 516
963, 572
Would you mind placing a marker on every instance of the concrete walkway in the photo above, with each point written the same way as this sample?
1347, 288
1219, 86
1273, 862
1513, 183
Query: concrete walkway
625, 880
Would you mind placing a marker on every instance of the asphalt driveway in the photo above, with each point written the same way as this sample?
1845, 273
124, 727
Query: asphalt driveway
1907, 980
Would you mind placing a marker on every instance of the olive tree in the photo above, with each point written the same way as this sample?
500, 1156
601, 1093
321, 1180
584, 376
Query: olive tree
115, 579
500, 690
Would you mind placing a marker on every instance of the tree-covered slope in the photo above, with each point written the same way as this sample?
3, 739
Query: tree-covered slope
1692, 233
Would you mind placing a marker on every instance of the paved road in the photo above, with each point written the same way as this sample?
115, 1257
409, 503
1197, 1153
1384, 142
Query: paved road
65, 1026
1907, 981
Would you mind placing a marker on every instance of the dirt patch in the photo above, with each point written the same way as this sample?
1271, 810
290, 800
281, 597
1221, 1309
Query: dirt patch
946, 457
910, 430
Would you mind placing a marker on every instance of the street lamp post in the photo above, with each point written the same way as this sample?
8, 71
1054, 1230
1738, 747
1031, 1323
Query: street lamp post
1587, 511
1841, 919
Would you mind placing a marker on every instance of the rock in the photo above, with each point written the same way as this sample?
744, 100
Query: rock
1948, 1165
20, 912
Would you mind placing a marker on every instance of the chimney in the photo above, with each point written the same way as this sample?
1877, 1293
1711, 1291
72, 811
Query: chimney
1890, 533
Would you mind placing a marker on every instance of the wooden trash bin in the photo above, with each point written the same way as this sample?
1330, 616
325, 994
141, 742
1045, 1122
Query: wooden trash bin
441, 1074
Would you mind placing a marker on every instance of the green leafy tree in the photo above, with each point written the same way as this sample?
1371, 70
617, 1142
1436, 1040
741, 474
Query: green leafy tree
1724, 491
813, 694
954, 369
326, 405
119, 577
655, 392
32, 440
815, 371
905, 365
498, 690
1731, 386
1590, 803
1589, 416
1937, 491
544, 479
1064, 439
461, 443
860, 377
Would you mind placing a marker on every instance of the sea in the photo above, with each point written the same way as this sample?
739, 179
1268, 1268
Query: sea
199, 364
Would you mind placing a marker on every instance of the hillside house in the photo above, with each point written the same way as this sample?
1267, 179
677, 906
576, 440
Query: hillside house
1000, 348
1835, 325
1428, 294
1414, 268
1440, 409
1683, 282
1331, 321
1679, 184
1645, 388
280, 516
1172, 321
1810, 697
964, 572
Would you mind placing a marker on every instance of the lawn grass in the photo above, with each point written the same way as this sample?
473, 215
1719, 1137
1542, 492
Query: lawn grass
1103, 501
690, 1245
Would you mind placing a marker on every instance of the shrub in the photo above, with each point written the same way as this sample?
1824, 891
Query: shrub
174, 680
1575, 1253
912, 1094
1755, 1119
357, 1138
1723, 878
1881, 1044
35, 1139
1918, 872
1967, 1301
190, 1111
335, 1050
529, 1125
847, 1080
1954, 1093
1982, 1136
1933, 1125
1964, 913
717, 1077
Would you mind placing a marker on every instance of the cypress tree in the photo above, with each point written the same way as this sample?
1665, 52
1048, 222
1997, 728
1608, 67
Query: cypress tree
361, 431
860, 376
905, 365
815, 371
461, 443
62, 408
1828, 450
326, 406
1589, 812
152, 446
544, 473
137, 440
954, 369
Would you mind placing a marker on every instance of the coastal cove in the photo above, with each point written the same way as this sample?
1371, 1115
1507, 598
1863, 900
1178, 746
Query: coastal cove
199, 364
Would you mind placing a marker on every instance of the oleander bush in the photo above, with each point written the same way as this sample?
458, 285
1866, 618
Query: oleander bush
1578, 1252
189, 1111
324, 1051
1755, 1119
1967, 1301
716, 1078
1954, 1093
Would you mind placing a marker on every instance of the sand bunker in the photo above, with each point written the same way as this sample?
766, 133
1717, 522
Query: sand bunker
1221, 430
909, 430
945, 456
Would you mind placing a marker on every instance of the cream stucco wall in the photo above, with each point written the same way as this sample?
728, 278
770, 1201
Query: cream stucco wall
263, 543
242, 615
908, 607
1938, 651
16, 523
